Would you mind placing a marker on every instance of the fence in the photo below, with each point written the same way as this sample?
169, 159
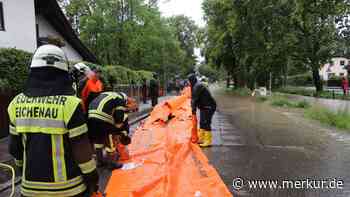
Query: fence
135, 91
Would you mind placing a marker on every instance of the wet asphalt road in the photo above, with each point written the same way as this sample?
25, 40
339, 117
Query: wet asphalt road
255, 141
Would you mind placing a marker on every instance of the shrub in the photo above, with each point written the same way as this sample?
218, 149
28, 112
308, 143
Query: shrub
14, 67
300, 80
241, 91
335, 81
297, 90
145, 74
280, 101
115, 74
340, 119
261, 99
303, 104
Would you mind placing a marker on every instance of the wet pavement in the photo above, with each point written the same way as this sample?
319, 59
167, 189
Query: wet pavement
254, 141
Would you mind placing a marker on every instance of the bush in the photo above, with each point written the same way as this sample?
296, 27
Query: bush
280, 101
335, 81
261, 99
300, 80
340, 119
14, 67
115, 75
309, 92
303, 104
14, 70
298, 91
241, 91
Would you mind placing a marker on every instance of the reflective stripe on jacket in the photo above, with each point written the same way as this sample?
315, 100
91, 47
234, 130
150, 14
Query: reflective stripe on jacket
45, 126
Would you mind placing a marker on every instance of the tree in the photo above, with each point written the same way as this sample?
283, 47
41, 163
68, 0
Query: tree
131, 33
256, 39
316, 33
185, 31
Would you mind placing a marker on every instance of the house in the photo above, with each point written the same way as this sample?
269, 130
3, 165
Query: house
28, 24
337, 67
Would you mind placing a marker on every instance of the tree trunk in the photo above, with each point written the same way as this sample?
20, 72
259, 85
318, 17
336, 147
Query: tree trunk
317, 80
228, 81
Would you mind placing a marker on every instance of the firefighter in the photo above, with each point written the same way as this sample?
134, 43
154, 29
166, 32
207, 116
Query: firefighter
154, 90
202, 99
92, 88
48, 132
80, 73
107, 118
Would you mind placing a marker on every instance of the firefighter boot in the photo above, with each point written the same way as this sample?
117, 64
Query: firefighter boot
207, 139
200, 136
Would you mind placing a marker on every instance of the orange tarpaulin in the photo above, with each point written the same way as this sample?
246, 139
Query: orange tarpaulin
164, 162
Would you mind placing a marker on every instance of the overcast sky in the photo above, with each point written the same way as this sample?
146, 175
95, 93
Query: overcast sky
190, 8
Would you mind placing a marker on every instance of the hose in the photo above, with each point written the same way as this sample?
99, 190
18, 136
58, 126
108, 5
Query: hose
13, 177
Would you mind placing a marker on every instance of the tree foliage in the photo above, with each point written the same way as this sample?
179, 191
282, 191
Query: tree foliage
14, 69
131, 33
252, 39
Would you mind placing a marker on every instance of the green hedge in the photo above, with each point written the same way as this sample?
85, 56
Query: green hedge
14, 66
114, 74
300, 80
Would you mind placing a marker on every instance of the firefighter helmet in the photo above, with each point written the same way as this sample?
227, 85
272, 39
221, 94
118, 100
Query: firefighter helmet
50, 56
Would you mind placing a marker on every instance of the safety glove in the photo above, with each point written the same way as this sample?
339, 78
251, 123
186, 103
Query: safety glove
124, 138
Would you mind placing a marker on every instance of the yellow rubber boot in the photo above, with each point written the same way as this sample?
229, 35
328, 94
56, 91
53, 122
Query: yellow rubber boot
207, 139
200, 136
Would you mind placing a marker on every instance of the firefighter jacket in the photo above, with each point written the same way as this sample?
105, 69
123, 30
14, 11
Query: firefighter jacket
201, 98
48, 138
109, 107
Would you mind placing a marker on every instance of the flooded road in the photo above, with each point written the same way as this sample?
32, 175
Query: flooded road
254, 141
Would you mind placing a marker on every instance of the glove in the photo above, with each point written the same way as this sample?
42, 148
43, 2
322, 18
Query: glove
124, 138
194, 133
91, 181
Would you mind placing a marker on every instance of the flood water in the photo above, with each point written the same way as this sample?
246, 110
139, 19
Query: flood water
254, 141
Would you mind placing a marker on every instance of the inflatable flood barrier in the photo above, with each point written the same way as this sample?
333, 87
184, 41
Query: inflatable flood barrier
163, 161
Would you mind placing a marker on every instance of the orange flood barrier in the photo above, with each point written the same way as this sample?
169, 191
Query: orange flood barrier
163, 161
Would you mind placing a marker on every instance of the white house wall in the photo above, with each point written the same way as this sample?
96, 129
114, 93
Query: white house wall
45, 30
19, 19
335, 69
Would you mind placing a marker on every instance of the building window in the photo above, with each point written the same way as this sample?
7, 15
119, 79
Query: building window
342, 74
342, 63
2, 22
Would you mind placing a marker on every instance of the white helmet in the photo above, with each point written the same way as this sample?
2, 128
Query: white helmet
82, 68
124, 96
50, 56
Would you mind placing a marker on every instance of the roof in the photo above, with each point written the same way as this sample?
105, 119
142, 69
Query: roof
54, 15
